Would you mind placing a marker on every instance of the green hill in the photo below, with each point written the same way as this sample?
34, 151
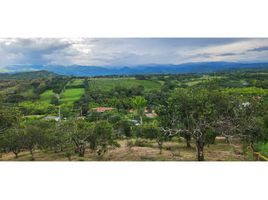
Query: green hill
27, 75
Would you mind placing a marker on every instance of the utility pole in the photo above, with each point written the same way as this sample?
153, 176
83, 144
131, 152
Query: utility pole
59, 114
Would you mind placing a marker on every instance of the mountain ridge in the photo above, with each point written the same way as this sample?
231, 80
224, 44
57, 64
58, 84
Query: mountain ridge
83, 70
27, 75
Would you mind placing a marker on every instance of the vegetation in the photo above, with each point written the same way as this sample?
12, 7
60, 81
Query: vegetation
220, 116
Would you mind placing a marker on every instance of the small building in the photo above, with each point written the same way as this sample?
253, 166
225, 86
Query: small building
102, 109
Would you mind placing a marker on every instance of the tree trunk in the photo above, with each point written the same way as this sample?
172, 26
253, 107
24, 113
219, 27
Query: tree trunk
200, 149
187, 138
227, 139
160, 146
188, 144
141, 122
32, 153
16, 154
81, 151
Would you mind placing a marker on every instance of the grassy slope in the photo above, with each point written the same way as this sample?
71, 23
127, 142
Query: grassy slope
71, 95
46, 96
110, 83
76, 82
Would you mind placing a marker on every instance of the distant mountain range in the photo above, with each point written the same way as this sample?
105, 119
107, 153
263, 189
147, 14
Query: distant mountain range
78, 70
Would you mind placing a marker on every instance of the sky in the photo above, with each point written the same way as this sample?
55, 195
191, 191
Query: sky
119, 52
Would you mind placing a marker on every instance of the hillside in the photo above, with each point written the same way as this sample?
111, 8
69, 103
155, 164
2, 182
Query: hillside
27, 75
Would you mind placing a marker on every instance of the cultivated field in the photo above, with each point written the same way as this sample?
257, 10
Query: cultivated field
72, 95
105, 84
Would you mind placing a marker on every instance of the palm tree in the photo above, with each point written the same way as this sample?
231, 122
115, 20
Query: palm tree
139, 104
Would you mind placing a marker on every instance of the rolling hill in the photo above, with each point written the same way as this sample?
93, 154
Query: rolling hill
27, 75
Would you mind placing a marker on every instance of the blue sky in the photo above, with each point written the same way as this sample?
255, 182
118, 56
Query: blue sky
129, 51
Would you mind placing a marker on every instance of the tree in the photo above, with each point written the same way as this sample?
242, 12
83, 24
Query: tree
57, 137
123, 128
80, 131
8, 118
251, 126
12, 140
139, 103
102, 137
177, 113
34, 135
151, 131
55, 100
188, 112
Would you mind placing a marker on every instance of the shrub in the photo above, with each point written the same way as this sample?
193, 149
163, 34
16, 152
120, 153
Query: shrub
142, 143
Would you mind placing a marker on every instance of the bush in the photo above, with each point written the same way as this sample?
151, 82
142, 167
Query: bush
147, 131
114, 119
142, 143
210, 137
94, 116
123, 128
130, 144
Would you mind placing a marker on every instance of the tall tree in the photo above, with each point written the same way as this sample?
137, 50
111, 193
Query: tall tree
12, 140
139, 104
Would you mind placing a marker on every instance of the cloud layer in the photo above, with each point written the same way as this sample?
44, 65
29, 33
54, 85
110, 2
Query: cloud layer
129, 51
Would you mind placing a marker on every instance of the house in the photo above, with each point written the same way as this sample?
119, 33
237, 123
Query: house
102, 109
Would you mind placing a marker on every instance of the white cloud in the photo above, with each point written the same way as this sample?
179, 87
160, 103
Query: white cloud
127, 52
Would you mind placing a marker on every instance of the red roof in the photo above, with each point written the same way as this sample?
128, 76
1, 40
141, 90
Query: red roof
102, 109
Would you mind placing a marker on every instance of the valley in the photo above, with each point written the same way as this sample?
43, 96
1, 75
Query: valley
141, 117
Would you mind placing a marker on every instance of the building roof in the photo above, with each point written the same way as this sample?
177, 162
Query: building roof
102, 109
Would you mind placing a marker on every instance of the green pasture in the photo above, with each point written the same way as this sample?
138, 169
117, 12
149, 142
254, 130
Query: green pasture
105, 84
71, 95
76, 82
46, 96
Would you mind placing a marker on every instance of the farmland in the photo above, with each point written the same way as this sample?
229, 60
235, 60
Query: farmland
106, 84
46, 96
71, 95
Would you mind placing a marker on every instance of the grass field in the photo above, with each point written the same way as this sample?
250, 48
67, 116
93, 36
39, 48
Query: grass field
172, 151
71, 95
46, 96
195, 81
76, 82
105, 84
